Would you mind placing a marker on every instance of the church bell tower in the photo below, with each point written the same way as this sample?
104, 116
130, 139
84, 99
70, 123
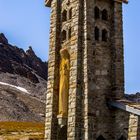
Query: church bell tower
85, 69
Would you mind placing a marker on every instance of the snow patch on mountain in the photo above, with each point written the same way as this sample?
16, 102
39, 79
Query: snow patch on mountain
17, 87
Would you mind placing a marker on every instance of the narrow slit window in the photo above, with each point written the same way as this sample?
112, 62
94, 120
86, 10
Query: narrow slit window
70, 13
104, 35
69, 34
97, 13
64, 35
64, 16
104, 15
97, 34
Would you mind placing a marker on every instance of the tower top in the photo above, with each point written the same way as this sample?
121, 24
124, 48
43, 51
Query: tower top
48, 2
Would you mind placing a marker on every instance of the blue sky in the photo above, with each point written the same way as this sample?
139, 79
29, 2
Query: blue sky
26, 23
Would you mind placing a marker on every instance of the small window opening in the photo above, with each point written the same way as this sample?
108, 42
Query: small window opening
69, 34
97, 13
70, 13
100, 138
64, 16
97, 34
64, 35
104, 35
122, 138
104, 15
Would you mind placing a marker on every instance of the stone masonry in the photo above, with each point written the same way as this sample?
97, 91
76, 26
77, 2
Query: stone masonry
91, 32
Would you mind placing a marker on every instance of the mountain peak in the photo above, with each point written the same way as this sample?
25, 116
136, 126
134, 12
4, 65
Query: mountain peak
23, 80
30, 51
15, 60
3, 39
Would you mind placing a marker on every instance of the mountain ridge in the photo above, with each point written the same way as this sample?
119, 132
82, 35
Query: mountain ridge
21, 71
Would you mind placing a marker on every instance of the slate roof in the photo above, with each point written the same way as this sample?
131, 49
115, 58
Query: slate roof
126, 105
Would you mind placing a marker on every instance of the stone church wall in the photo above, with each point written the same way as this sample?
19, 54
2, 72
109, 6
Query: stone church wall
134, 127
96, 70
127, 125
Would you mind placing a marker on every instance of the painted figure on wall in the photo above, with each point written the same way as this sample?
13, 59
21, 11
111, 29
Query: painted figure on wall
64, 83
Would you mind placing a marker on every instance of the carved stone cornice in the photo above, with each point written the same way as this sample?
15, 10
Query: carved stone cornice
48, 3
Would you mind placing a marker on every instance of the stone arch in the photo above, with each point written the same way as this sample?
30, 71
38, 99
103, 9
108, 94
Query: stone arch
100, 138
62, 133
104, 14
96, 12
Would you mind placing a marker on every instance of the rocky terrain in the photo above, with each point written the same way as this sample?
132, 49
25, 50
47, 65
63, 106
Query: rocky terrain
133, 97
15, 105
25, 70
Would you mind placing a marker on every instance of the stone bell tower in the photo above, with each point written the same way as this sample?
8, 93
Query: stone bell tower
85, 70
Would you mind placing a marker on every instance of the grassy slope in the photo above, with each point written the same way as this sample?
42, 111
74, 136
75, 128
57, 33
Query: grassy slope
20, 129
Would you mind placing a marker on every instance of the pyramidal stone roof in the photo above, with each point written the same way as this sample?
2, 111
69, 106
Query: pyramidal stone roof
48, 2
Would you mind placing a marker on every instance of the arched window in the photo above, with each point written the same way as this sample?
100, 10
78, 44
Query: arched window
64, 16
64, 35
69, 34
104, 15
96, 13
97, 34
70, 13
122, 138
104, 35
100, 138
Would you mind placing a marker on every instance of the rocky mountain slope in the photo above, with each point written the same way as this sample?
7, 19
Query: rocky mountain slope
21, 69
133, 97
15, 105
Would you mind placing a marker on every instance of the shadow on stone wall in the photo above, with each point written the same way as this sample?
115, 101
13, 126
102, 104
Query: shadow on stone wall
122, 125
127, 121
62, 133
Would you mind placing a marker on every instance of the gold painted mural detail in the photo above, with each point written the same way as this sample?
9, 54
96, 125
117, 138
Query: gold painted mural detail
64, 83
